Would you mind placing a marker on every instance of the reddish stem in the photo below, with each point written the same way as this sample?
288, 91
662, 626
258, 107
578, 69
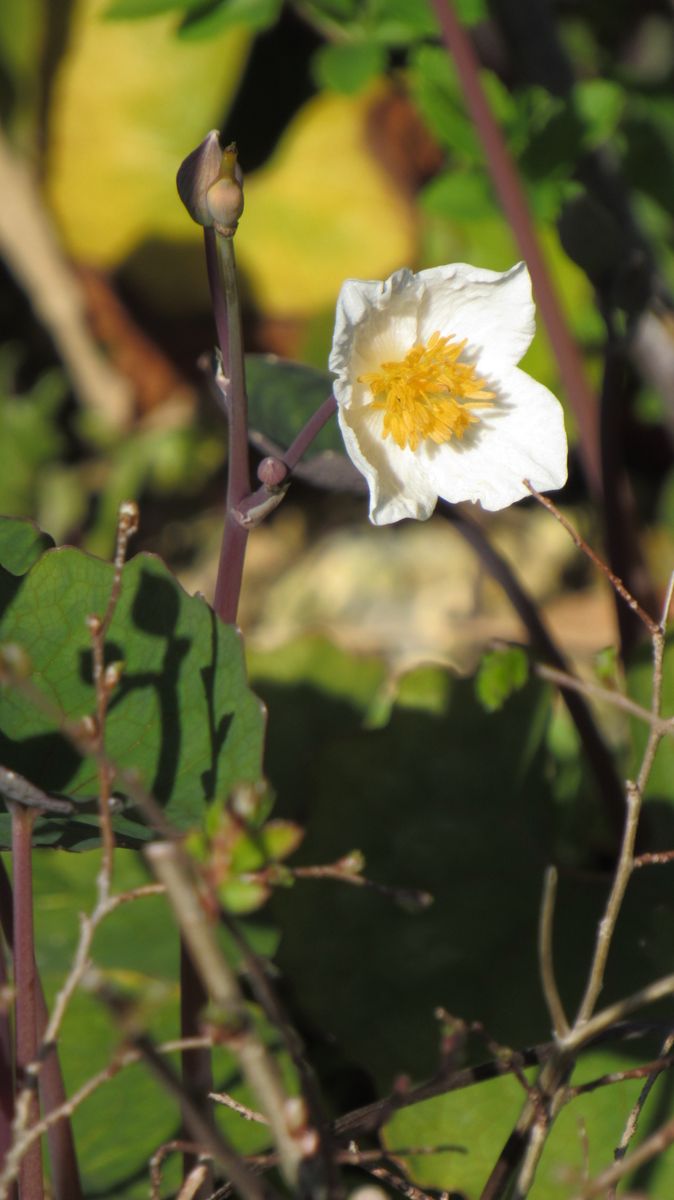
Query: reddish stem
6, 1074
65, 1176
511, 194
26, 1037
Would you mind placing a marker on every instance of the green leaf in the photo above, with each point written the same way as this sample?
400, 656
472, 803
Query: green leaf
241, 897
280, 839
282, 396
21, 544
182, 717
436, 92
501, 672
348, 67
210, 19
399, 23
600, 103
481, 1118
459, 195
30, 439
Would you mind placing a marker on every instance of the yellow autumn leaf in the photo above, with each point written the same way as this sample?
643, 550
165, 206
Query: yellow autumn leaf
321, 210
130, 101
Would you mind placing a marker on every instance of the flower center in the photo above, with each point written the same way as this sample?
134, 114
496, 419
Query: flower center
428, 394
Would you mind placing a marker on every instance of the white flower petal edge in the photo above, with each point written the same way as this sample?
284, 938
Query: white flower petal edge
519, 435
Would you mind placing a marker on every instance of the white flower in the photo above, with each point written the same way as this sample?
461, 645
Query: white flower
429, 397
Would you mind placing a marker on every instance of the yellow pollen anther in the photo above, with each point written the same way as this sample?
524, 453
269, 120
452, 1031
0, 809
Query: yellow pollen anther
428, 394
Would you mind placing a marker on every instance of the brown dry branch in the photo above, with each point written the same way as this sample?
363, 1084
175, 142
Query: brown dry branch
175, 1146
648, 1071
400, 1183
297, 1142
656, 858
213, 1143
122, 1058
268, 999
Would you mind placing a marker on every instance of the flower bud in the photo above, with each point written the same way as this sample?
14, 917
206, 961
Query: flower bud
210, 185
224, 199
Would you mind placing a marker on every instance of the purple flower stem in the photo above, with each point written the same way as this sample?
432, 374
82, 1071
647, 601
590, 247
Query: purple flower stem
26, 1020
265, 498
310, 431
221, 270
6, 1073
513, 199
64, 1170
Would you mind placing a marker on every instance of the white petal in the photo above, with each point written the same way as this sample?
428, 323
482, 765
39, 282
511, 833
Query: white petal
398, 480
494, 312
522, 437
375, 321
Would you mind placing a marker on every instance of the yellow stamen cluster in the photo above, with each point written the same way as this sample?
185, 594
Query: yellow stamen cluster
428, 394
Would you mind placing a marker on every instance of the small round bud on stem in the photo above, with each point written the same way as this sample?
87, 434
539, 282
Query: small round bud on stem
272, 472
113, 674
210, 185
225, 198
128, 517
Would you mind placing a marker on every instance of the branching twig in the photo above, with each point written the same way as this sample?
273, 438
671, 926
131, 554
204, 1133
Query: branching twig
105, 681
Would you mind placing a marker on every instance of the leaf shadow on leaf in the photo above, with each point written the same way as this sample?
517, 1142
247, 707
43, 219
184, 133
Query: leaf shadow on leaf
462, 805
182, 717
218, 730
46, 759
155, 611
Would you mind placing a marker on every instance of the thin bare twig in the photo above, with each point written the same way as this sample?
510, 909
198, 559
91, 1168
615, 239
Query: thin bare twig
588, 687
666, 1060
616, 583
203, 1131
248, 1114
649, 1149
553, 999
655, 858
287, 1117
105, 681
526, 1143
